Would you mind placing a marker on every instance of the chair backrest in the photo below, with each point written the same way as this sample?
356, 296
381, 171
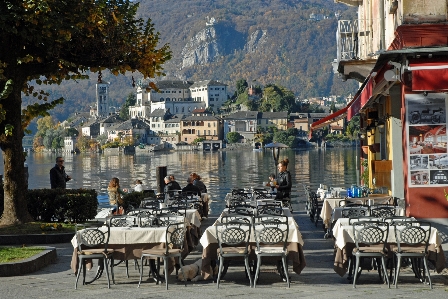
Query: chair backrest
370, 233
175, 235
166, 219
352, 212
233, 234
271, 230
383, 211
145, 220
397, 219
150, 204
357, 219
122, 221
237, 218
142, 211
242, 210
92, 236
262, 195
412, 233
270, 209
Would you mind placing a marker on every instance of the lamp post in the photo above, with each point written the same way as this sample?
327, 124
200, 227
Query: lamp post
275, 146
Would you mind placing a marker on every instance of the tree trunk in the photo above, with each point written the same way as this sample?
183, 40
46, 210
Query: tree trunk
15, 204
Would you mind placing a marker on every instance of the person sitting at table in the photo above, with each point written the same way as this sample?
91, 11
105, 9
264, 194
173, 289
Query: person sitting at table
175, 183
284, 182
114, 191
138, 186
197, 182
191, 188
169, 188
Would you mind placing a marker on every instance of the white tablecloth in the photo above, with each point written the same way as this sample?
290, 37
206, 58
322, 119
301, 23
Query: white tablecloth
294, 235
344, 234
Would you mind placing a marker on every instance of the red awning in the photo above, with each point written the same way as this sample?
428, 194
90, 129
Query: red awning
429, 75
361, 98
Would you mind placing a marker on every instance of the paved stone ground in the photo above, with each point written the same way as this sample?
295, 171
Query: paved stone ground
318, 280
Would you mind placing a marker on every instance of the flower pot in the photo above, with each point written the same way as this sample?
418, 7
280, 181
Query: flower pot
375, 148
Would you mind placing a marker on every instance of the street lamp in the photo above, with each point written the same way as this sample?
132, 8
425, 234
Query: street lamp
275, 146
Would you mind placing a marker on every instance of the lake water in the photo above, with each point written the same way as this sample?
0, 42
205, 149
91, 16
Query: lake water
220, 171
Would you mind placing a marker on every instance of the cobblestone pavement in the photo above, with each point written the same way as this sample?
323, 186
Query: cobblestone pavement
318, 280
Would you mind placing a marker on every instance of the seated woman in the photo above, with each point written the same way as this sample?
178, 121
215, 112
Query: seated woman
115, 193
197, 182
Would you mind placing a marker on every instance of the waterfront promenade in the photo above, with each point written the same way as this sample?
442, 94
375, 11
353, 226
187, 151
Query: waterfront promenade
318, 280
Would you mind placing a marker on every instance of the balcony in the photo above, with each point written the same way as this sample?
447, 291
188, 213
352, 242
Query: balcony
355, 50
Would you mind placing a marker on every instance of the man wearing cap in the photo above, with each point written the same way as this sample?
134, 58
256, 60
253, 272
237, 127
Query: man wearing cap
58, 177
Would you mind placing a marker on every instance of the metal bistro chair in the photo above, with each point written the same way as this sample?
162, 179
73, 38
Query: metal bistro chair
316, 208
233, 242
271, 209
412, 242
354, 212
370, 240
147, 221
271, 236
174, 244
237, 218
123, 221
383, 211
92, 244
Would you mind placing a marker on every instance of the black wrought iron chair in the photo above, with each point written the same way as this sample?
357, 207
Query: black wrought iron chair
237, 218
354, 212
92, 244
371, 241
412, 242
147, 221
174, 244
271, 236
316, 208
123, 221
233, 242
383, 211
167, 219
270, 208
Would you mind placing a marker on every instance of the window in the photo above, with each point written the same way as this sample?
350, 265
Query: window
223, 88
167, 91
208, 125
216, 94
180, 91
208, 132
266, 121
211, 99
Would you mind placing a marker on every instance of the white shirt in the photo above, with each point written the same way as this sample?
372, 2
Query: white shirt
138, 188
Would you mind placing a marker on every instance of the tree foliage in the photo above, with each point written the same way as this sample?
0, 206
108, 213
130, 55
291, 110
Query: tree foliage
233, 137
130, 101
277, 98
50, 41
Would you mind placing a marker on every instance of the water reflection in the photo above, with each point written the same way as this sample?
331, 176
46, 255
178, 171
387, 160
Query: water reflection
221, 171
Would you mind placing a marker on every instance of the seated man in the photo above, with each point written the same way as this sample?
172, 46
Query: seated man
190, 187
169, 186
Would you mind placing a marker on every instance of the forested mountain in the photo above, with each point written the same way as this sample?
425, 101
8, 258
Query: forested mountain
262, 41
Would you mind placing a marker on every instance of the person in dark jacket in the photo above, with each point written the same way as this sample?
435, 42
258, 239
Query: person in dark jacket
197, 182
191, 188
174, 183
284, 182
58, 177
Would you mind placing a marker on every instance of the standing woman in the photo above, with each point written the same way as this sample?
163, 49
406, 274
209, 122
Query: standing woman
284, 183
115, 193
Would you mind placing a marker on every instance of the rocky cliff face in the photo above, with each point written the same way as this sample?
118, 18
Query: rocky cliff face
255, 40
219, 40
202, 48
